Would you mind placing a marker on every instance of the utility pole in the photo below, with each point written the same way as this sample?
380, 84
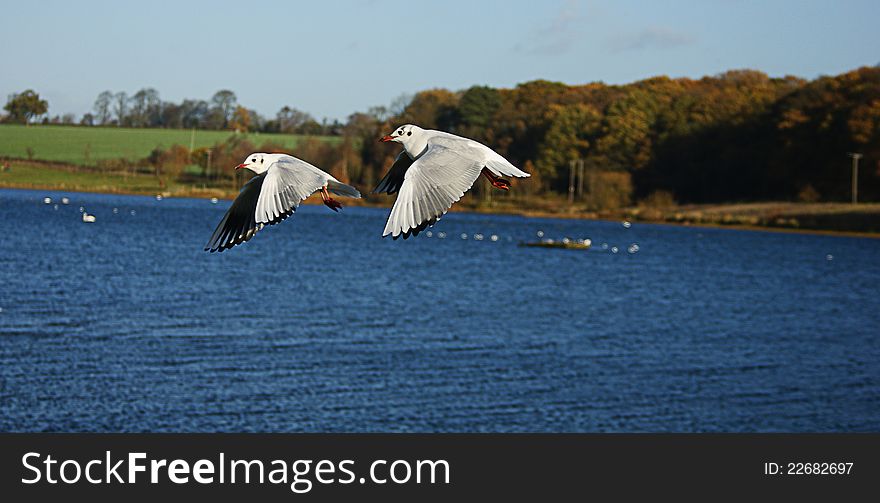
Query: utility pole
580, 191
855, 175
571, 167
208, 165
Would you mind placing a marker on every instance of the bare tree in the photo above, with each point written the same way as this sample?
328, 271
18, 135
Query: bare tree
102, 107
399, 104
380, 112
144, 107
120, 107
194, 113
224, 102
291, 120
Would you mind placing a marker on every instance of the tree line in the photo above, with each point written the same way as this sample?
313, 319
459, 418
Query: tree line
145, 108
737, 136
223, 111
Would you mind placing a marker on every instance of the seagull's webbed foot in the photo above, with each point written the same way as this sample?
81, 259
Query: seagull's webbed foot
500, 183
497, 182
333, 204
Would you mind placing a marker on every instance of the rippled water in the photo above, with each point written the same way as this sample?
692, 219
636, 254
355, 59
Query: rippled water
319, 325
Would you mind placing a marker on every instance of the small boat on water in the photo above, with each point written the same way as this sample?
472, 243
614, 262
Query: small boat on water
567, 244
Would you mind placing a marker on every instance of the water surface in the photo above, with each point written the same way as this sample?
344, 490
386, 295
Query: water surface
317, 324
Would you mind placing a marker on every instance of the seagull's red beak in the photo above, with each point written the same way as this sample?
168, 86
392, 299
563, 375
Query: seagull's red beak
387, 137
241, 166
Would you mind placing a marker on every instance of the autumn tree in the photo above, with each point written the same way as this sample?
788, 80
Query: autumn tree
864, 122
432, 109
478, 105
572, 130
241, 119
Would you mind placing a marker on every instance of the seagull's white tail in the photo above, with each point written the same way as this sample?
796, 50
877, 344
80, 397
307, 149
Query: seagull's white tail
341, 189
501, 167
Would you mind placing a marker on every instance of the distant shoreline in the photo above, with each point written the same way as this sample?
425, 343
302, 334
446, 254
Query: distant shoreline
620, 215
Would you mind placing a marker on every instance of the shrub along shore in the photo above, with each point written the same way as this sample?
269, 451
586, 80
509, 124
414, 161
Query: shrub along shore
837, 218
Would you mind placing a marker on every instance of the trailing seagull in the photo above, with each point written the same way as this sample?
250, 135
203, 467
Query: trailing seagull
432, 172
282, 182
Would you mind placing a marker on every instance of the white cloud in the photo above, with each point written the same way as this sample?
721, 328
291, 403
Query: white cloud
650, 38
557, 35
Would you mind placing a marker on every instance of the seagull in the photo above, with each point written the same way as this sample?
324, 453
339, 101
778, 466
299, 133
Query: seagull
282, 182
432, 172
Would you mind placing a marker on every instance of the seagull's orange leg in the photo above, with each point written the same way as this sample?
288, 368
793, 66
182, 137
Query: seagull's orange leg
498, 183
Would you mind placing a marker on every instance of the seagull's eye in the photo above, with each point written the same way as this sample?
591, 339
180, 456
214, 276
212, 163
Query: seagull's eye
409, 133
254, 159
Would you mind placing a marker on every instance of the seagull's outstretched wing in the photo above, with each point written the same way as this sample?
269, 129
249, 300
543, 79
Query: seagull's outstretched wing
239, 223
269, 198
289, 181
394, 178
436, 180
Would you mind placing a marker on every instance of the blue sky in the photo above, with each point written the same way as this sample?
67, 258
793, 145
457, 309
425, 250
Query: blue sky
331, 58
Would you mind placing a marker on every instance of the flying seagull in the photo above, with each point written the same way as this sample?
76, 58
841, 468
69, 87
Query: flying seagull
282, 182
432, 172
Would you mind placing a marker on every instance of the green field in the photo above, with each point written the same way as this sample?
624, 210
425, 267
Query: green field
86, 145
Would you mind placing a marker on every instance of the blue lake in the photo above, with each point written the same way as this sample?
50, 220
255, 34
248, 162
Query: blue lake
318, 324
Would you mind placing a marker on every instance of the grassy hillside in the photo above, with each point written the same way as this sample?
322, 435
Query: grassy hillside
24, 175
41, 175
86, 145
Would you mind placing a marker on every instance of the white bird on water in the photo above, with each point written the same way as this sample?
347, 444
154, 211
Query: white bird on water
433, 171
282, 182
89, 219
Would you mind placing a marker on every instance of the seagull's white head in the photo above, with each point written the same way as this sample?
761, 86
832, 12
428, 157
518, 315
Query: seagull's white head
410, 136
257, 162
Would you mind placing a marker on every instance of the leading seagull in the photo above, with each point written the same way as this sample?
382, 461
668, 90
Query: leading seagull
433, 171
282, 182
